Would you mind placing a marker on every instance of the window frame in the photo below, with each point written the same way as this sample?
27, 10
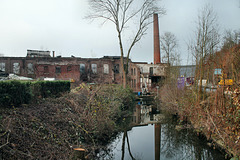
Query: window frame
82, 65
106, 68
94, 68
30, 70
3, 66
18, 69
58, 70
69, 68
116, 68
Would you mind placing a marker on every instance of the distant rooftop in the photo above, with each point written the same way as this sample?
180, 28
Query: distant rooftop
140, 62
38, 53
112, 57
186, 70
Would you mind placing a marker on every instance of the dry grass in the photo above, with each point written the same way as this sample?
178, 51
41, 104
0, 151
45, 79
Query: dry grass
218, 116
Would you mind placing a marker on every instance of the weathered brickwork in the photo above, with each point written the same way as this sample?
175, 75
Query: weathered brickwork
135, 76
106, 70
92, 70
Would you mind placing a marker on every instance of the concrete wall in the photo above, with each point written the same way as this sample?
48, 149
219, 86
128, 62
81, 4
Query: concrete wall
158, 69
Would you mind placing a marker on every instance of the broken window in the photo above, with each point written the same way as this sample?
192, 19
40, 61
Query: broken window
16, 68
106, 69
2, 67
58, 69
30, 69
82, 68
94, 68
116, 68
151, 70
46, 69
69, 68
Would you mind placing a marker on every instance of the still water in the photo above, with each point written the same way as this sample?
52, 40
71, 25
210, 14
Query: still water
155, 135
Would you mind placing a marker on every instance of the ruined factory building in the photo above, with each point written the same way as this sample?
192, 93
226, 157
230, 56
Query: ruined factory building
105, 70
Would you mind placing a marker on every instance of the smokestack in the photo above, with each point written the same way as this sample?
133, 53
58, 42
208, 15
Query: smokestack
157, 57
53, 54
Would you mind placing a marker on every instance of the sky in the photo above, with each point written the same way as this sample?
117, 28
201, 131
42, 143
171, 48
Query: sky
61, 26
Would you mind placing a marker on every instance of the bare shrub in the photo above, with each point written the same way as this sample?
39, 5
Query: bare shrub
51, 129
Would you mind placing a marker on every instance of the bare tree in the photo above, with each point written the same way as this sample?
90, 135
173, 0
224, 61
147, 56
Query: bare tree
205, 42
126, 15
230, 38
169, 46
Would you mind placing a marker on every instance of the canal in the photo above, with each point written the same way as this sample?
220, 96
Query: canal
154, 134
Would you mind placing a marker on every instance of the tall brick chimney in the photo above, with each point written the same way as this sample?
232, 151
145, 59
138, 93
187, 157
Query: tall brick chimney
157, 57
53, 54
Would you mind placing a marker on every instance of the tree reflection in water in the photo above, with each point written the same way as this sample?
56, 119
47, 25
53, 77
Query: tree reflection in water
125, 135
158, 139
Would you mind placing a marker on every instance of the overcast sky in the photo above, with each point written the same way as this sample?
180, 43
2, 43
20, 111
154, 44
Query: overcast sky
59, 25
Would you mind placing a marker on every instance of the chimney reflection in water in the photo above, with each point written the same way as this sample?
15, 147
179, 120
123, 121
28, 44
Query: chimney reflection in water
157, 132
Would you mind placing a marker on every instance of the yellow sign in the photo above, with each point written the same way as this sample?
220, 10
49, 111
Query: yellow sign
228, 82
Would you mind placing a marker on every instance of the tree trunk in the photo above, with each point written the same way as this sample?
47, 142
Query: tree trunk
205, 87
123, 144
200, 79
124, 76
124, 79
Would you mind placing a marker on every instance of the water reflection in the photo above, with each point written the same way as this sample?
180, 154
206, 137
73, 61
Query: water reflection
152, 135
157, 135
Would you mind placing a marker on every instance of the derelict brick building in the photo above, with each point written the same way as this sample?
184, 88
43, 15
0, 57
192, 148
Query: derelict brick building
105, 70
91, 70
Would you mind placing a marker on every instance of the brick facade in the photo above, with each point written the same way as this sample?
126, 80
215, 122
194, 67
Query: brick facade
106, 70
93, 70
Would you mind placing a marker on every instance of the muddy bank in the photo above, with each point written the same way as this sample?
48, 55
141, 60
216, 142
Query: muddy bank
50, 129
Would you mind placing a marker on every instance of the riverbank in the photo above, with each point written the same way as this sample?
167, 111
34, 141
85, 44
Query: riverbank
87, 117
157, 138
217, 116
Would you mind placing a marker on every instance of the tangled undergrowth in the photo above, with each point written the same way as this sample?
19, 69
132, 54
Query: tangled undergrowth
85, 118
218, 116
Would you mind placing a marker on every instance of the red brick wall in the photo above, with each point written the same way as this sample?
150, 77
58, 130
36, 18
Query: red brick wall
64, 63
46, 70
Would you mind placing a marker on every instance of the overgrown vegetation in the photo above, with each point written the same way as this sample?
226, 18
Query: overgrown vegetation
16, 93
216, 113
87, 117
45, 89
